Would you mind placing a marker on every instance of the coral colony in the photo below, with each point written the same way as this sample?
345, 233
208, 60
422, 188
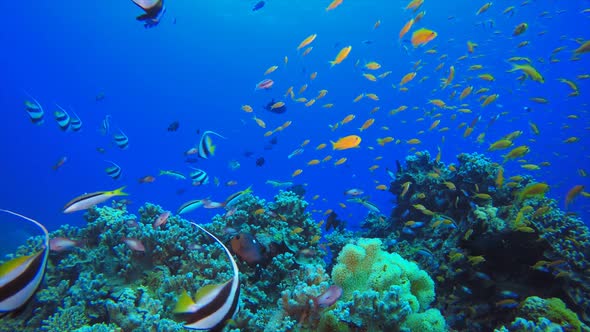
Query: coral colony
463, 249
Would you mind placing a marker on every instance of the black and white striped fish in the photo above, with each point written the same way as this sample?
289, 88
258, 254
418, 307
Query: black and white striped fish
206, 147
216, 304
76, 123
22, 276
105, 125
121, 140
199, 177
35, 111
113, 171
63, 118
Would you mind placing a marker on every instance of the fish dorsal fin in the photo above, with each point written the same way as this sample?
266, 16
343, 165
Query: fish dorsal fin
208, 292
114, 164
208, 132
62, 109
146, 4
185, 304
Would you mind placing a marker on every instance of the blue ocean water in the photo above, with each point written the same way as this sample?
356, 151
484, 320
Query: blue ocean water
202, 62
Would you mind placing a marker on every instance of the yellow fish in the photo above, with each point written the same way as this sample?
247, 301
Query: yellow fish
343, 54
347, 142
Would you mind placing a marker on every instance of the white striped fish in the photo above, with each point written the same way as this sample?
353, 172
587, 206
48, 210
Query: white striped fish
190, 206
215, 304
87, 201
21, 276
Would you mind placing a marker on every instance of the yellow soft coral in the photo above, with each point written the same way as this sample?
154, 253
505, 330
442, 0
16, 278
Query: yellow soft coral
365, 266
429, 321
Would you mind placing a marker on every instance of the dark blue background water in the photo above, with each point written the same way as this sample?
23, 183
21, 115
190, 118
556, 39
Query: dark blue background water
200, 70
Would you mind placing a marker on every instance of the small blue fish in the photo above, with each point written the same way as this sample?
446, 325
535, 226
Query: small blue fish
258, 6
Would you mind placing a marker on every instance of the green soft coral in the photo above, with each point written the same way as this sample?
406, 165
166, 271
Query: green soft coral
365, 266
553, 309
384, 287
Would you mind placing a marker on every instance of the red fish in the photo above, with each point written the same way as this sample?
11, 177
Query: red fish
265, 84
161, 220
248, 249
134, 244
61, 243
209, 204
147, 179
329, 297
59, 163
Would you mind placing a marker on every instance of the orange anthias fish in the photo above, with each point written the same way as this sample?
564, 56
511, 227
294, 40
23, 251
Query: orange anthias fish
341, 55
407, 77
415, 4
422, 36
334, 4
307, 41
406, 28
347, 142
483, 8
573, 193
450, 77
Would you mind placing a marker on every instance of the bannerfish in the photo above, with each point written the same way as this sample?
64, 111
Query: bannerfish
206, 147
121, 140
214, 304
248, 249
154, 11
105, 125
35, 111
113, 171
87, 201
199, 177
20, 277
258, 6
63, 118
76, 123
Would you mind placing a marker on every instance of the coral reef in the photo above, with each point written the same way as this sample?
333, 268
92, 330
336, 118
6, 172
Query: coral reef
104, 284
499, 258
487, 244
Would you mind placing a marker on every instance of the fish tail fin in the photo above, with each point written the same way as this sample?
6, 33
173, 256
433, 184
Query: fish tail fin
332, 63
248, 190
333, 145
184, 304
119, 192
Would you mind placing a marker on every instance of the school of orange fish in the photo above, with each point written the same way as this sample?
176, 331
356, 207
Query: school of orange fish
454, 110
